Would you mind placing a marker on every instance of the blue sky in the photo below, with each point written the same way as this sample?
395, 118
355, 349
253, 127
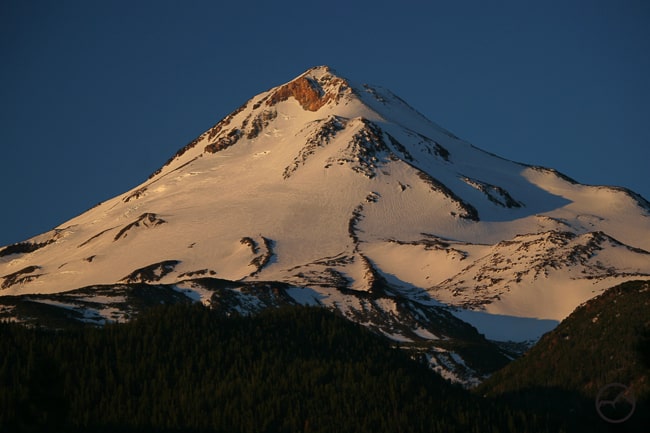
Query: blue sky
96, 95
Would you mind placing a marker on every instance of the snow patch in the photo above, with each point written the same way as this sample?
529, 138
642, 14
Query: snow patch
305, 296
499, 327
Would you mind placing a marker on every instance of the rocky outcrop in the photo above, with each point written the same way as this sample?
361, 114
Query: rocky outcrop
311, 92
21, 276
147, 220
320, 138
495, 194
151, 273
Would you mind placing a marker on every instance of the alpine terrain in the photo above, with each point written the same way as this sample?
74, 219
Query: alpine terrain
326, 192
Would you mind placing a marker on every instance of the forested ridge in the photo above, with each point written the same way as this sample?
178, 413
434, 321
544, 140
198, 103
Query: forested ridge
604, 341
187, 368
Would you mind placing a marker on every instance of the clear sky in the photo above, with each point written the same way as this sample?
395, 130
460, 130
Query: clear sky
96, 95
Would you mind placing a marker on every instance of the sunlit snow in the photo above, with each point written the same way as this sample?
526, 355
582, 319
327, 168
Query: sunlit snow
314, 199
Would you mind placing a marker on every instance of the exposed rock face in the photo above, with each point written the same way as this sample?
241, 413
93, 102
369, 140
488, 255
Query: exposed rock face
147, 220
224, 142
304, 90
151, 273
311, 93
22, 276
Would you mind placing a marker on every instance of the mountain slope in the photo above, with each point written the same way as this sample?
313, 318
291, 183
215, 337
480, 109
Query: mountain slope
350, 199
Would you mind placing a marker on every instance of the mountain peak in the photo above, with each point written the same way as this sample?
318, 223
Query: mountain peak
312, 89
319, 71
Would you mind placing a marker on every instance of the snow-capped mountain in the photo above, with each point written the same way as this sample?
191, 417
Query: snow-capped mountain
322, 191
